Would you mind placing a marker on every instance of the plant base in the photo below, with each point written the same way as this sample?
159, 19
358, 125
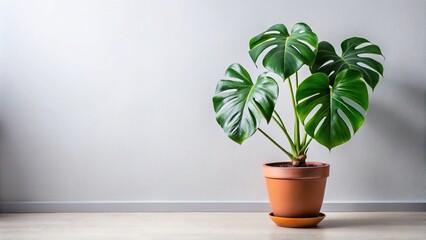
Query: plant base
297, 222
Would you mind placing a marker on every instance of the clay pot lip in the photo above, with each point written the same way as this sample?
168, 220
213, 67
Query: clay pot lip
320, 170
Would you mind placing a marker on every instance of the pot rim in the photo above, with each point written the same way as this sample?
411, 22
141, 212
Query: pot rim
320, 170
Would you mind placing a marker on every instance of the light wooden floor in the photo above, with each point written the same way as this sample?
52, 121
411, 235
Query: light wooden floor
222, 226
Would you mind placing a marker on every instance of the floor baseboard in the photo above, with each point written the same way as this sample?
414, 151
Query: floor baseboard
141, 206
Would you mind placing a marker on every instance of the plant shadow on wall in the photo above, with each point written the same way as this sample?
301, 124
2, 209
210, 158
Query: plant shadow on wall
2, 164
13, 170
400, 125
394, 138
411, 130
329, 106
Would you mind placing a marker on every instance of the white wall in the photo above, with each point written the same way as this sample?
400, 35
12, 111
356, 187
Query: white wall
111, 100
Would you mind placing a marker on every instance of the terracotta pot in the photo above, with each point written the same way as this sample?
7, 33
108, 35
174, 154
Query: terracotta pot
296, 192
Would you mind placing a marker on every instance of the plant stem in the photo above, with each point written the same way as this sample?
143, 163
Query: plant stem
297, 80
304, 139
306, 145
280, 123
276, 144
296, 118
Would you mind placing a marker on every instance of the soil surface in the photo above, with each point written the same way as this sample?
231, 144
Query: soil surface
288, 164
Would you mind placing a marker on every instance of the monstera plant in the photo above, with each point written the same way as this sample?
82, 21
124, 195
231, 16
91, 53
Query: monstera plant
329, 106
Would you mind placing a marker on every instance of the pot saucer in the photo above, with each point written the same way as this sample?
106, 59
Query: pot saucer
297, 222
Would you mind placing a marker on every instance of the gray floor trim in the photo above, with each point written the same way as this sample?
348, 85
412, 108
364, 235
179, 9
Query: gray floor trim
140, 206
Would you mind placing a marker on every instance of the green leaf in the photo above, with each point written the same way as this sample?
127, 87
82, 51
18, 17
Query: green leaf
337, 112
288, 52
328, 62
239, 104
